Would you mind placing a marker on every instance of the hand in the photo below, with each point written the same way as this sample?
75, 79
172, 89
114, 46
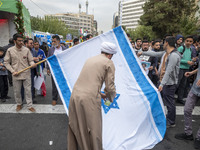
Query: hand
139, 54
15, 74
190, 63
198, 83
151, 68
1, 64
48, 72
194, 59
187, 74
160, 88
36, 59
34, 65
103, 96
4, 69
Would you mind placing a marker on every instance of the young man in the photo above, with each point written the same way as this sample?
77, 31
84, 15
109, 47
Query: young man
55, 49
85, 124
138, 44
168, 71
33, 70
76, 41
179, 40
153, 72
191, 100
186, 62
3, 77
18, 58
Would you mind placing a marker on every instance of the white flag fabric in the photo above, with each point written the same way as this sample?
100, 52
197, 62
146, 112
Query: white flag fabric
136, 119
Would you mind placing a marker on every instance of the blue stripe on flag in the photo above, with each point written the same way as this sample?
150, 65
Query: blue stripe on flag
60, 79
148, 90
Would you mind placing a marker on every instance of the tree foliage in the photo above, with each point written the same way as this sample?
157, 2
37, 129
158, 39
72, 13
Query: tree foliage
19, 19
50, 24
142, 31
170, 16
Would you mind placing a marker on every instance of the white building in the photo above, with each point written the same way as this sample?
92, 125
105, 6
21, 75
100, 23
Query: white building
77, 21
130, 12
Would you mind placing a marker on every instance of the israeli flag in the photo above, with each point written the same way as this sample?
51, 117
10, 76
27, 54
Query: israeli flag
136, 119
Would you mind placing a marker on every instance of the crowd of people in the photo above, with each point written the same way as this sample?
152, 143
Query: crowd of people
174, 71
171, 64
16, 56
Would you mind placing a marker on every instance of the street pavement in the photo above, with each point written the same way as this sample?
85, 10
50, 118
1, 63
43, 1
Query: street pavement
47, 128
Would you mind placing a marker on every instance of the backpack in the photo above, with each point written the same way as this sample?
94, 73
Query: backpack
184, 51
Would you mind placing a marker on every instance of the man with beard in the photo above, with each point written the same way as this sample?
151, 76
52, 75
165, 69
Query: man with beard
85, 120
18, 58
153, 72
168, 71
55, 49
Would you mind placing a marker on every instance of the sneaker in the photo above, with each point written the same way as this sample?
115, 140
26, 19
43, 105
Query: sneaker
8, 97
54, 102
183, 136
19, 107
180, 102
34, 102
3, 100
170, 125
32, 109
197, 143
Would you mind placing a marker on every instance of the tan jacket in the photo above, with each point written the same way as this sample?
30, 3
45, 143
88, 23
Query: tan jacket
17, 60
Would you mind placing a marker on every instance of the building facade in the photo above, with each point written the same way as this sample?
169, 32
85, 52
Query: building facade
77, 21
130, 12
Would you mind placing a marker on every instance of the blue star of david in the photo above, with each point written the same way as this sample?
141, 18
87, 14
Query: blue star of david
113, 105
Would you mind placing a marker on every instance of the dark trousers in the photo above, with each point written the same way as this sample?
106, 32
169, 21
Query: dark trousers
182, 82
54, 90
168, 98
33, 74
10, 78
3, 86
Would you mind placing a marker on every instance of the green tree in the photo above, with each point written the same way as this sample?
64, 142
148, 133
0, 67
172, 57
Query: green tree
49, 24
142, 31
169, 16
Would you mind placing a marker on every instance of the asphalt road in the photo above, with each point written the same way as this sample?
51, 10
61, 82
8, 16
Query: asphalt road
49, 131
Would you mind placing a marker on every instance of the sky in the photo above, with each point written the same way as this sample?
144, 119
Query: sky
103, 10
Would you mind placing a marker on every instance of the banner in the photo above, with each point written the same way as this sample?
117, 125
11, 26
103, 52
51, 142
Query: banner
136, 120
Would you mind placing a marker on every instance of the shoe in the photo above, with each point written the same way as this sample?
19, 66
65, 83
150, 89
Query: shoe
181, 102
54, 103
197, 143
8, 97
170, 125
32, 109
34, 102
3, 100
19, 107
183, 136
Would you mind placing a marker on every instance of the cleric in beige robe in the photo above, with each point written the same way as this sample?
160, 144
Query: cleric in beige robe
85, 119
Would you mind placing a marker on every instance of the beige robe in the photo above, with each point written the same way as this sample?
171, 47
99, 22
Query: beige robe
85, 120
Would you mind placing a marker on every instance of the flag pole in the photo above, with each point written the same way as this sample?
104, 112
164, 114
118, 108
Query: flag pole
31, 66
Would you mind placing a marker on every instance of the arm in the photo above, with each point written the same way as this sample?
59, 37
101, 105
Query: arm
153, 54
110, 90
7, 61
187, 74
170, 67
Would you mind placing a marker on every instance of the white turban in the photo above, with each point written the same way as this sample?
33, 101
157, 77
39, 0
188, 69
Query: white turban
109, 48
